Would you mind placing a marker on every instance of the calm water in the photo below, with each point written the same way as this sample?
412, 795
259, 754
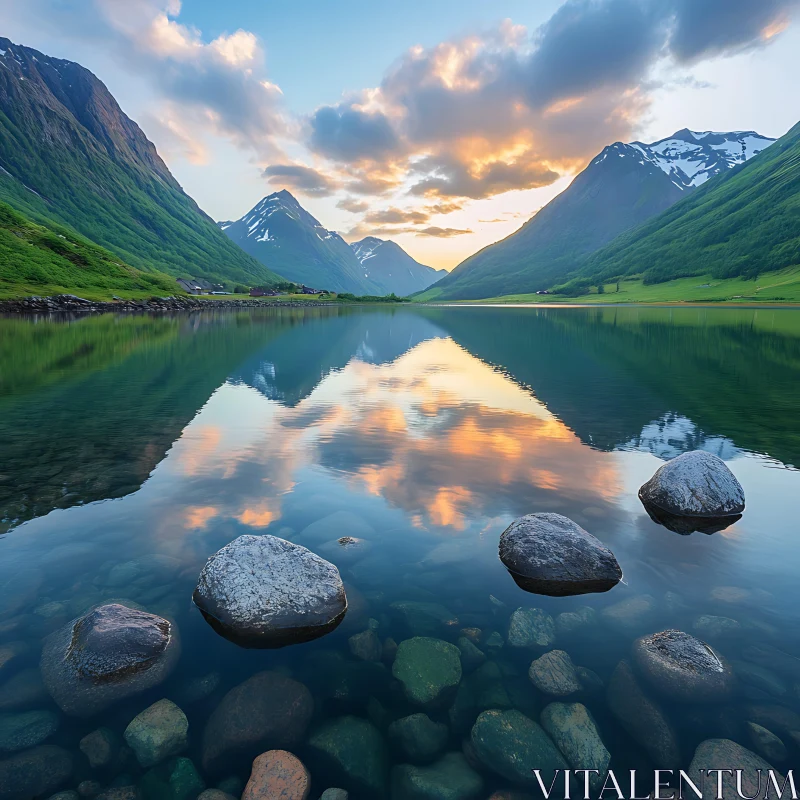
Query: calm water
425, 432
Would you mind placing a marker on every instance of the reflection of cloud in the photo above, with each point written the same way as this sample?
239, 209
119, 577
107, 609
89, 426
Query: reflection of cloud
258, 517
200, 517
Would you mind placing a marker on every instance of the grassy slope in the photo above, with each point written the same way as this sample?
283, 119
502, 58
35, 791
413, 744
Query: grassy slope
782, 286
741, 224
50, 259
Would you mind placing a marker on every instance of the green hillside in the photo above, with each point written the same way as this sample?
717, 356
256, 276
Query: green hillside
45, 260
69, 155
740, 224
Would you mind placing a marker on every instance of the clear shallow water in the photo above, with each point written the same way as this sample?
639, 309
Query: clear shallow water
425, 432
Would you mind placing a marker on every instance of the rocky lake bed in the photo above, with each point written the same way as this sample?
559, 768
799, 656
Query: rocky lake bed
331, 637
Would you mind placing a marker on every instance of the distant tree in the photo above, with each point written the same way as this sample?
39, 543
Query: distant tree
601, 289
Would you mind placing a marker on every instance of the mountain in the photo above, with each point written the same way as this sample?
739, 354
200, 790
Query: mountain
278, 231
389, 265
743, 223
49, 259
69, 155
622, 187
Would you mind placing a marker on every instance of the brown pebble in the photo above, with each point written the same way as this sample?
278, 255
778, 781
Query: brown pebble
277, 775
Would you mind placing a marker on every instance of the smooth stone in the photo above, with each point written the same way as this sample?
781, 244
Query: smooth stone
109, 654
471, 656
773, 717
642, 717
20, 730
683, 668
494, 642
424, 619
450, 778
554, 673
34, 773
278, 775
715, 627
100, 747
120, 793
67, 794
23, 690
531, 627
429, 669
351, 749
571, 622
337, 525
552, 555
766, 742
268, 711
510, 744
158, 732
724, 754
89, 788
574, 731
334, 794
262, 591
419, 737
631, 614
696, 484
590, 681
176, 779
366, 645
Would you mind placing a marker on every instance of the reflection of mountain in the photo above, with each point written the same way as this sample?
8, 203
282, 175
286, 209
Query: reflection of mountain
97, 403
674, 434
292, 365
612, 373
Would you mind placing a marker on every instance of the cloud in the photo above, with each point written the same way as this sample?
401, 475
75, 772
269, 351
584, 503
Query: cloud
442, 233
510, 109
352, 205
305, 180
173, 137
393, 216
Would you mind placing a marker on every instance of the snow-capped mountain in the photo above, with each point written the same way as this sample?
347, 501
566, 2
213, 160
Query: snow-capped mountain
386, 263
279, 232
690, 158
621, 188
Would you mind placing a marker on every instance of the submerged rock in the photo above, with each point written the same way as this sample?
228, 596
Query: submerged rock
642, 717
34, 773
450, 778
766, 742
715, 627
352, 752
631, 614
429, 669
554, 673
100, 747
278, 774
574, 622
419, 737
106, 655
696, 484
23, 690
262, 591
510, 744
176, 779
424, 619
550, 554
366, 645
267, 711
24, 729
531, 627
726, 755
683, 668
159, 732
575, 733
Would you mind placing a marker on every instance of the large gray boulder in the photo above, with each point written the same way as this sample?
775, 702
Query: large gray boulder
696, 484
108, 654
683, 668
262, 591
726, 755
550, 554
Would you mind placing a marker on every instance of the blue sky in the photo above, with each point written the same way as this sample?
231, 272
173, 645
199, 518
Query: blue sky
442, 125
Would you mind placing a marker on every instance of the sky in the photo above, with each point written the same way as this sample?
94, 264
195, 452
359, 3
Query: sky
442, 125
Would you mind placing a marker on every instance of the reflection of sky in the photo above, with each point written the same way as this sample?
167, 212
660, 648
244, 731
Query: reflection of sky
434, 445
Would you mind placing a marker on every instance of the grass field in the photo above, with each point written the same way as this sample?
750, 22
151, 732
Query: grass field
773, 287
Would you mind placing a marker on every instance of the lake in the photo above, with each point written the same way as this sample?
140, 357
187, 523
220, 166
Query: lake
135, 447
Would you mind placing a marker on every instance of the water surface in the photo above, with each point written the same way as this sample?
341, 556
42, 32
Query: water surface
425, 432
